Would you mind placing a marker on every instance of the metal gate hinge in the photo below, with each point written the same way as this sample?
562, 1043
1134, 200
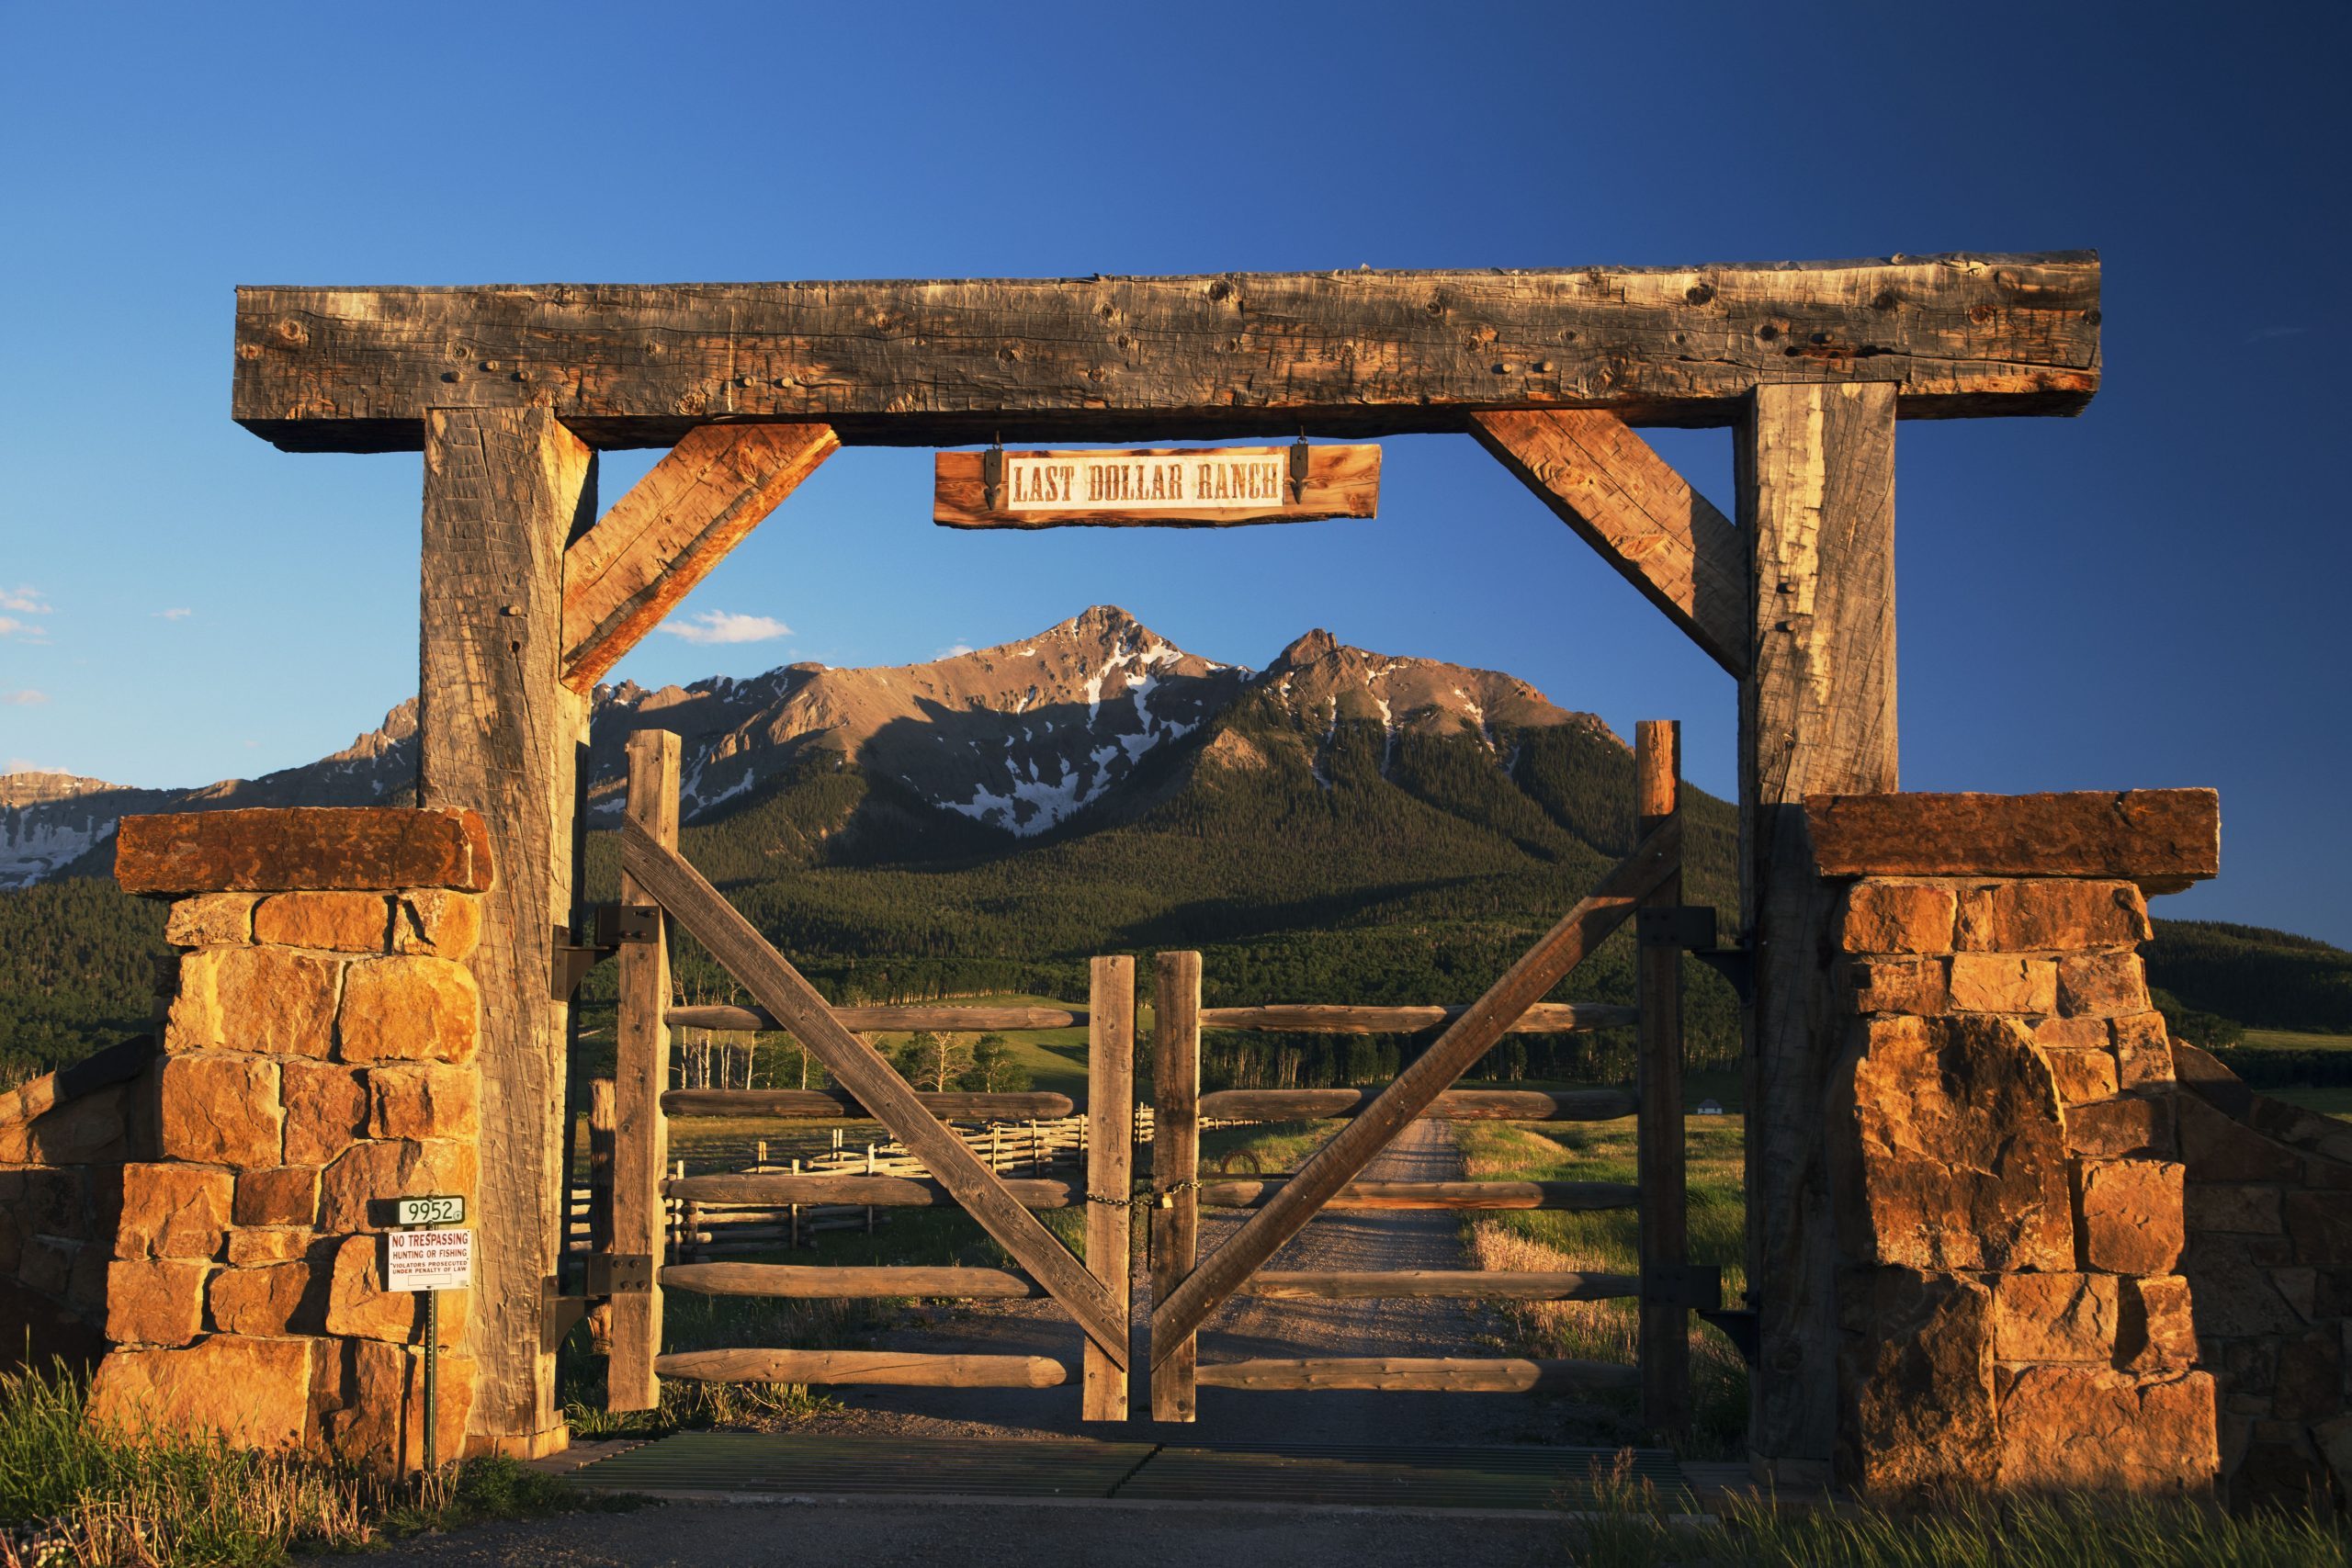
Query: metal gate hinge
1687, 926
1737, 1324
619, 1274
611, 927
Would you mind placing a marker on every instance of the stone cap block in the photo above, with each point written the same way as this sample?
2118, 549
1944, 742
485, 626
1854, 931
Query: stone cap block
308, 848
2161, 839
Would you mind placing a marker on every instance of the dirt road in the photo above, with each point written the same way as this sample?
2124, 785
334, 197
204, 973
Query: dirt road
1249, 1329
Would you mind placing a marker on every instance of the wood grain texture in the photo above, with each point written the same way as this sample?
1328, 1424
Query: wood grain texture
1110, 1167
499, 735
855, 1064
1319, 1018
1440, 1284
869, 1192
1341, 481
674, 527
1175, 1170
870, 1020
324, 848
1260, 1192
1419, 1374
1454, 1105
805, 1282
1664, 1326
824, 1105
886, 1369
945, 364
1626, 502
1815, 473
642, 1073
2164, 837
1355, 1146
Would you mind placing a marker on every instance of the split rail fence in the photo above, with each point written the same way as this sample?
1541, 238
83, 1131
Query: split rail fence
663, 1224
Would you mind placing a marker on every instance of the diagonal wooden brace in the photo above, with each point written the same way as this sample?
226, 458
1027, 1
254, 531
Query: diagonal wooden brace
672, 529
1657, 858
1612, 487
779, 987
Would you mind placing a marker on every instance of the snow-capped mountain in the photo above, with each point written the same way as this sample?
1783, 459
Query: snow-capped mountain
1020, 737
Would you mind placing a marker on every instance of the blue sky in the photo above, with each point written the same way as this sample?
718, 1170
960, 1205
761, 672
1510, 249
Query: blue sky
2151, 594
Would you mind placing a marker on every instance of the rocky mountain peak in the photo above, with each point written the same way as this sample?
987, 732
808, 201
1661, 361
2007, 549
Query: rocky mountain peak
1019, 736
1314, 647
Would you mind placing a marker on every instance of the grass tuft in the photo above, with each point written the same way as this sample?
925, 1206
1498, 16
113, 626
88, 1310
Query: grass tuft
76, 1492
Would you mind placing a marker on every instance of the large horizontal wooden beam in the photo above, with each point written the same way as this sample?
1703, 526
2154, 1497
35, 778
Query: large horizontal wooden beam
936, 364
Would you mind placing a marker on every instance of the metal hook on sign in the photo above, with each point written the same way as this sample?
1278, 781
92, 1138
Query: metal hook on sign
1301, 454
991, 474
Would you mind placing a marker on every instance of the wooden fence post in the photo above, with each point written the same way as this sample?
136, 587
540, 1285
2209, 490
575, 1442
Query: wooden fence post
1110, 1165
499, 733
1815, 476
601, 1124
1175, 1164
641, 1071
1665, 1332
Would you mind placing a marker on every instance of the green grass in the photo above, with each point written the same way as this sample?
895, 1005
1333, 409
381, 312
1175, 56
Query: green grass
1617, 1522
2294, 1040
1605, 1241
2333, 1100
166, 1500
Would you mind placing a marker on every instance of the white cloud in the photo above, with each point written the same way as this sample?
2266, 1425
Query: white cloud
26, 766
173, 614
953, 650
24, 598
724, 626
23, 699
21, 631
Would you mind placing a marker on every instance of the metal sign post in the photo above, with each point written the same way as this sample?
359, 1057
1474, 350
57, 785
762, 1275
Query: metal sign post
430, 1259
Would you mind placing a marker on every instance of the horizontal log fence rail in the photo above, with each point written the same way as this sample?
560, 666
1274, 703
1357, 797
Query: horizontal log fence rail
1187, 1289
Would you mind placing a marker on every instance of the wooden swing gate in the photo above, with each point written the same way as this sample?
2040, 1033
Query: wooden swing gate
657, 884
1647, 886
1095, 1293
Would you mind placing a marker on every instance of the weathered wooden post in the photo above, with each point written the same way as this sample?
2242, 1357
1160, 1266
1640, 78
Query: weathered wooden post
641, 1066
1110, 1112
603, 1122
1815, 473
1665, 1333
1175, 1166
499, 732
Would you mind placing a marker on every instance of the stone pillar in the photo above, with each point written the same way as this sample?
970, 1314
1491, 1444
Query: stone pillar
2007, 1191
318, 1064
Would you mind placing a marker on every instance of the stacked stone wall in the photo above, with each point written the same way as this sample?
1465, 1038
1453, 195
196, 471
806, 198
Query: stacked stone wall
2007, 1194
2269, 1261
65, 1139
316, 1064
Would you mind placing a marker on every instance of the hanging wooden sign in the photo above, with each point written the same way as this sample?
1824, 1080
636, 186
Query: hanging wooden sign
1202, 486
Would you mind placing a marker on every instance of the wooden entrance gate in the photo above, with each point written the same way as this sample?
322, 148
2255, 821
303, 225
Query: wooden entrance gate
658, 886
1187, 1289
657, 880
